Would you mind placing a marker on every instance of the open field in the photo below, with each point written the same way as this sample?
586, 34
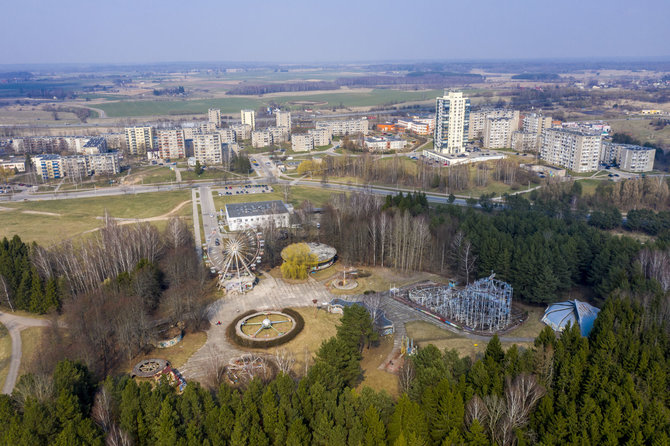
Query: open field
373, 377
5, 353
297, 195
641, 130
233, 104
31, 339
148, 175
49, 221
425, 333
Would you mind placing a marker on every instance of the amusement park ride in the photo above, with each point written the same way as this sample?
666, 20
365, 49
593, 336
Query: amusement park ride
242, 252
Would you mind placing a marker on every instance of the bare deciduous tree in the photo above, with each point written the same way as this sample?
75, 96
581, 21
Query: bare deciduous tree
406, 375
284, 359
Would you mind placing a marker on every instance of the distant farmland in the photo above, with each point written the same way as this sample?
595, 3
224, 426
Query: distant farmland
231, 105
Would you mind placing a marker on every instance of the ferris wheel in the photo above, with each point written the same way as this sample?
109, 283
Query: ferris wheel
242, 252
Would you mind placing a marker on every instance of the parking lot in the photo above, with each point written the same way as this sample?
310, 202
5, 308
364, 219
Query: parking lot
246, 189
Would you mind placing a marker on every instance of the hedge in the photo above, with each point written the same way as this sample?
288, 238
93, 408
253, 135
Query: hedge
254, 343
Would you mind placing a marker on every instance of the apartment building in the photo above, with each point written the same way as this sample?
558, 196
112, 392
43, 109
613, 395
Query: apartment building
478, 120
343, 128
94, 145
139, 140
452, 119
524, 141
242, 131
628, 157
249, 118
227, 135
498, 132
79, 166
171, 143
283, 119
320, 137
208, 149
261, 138
303, 142
48, 166
536, 123
214, 116
575, 150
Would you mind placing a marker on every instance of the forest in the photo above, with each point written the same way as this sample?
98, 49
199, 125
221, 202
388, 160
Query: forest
611, 388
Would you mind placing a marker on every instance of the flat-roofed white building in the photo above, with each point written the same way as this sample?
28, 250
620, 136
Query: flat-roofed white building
303, 142
171, 143
257, 214
48, 166
279, 134
207, 149
242, 131
452, 120
479, 117
214, 116
248, 117
573, 149
384, 144
227, 135
524, 141
343, 128
94, 145
498, 132
12, 163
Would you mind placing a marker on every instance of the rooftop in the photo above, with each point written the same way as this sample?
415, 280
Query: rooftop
257, 208
95, 142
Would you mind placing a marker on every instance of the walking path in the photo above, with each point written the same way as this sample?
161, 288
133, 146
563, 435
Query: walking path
15, 324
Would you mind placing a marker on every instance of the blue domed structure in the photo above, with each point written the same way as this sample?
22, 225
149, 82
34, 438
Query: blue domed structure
559, 314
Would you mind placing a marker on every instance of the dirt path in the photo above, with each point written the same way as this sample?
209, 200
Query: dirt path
15, 324
129, 221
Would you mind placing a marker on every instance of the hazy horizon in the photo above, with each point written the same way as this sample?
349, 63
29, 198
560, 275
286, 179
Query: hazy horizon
303, 32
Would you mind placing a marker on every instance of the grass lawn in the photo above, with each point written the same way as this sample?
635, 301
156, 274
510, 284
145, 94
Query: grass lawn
589, 186
373, 377
31, 338
5, 353
641, 130
54, 220
207, 174
305, 345
425, 333
380, 279
297, 195
533, 325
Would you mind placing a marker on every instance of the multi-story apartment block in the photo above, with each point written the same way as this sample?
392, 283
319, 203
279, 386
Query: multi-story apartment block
171, 143
283, 119
103, 163
452, 120
524, 141
207, 149
139, 140
214, 116
498, 132
343, 128
115, 141
242, 131
227, 135
478, 120
303, 142
279, 134
48, 166
536, 123
629, 157
94, 145
320, 137
573, 149
261, 138
248, 117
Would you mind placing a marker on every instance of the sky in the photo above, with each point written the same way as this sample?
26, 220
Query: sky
292, 31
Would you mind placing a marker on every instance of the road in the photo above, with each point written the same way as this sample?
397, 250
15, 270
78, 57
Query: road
15, 324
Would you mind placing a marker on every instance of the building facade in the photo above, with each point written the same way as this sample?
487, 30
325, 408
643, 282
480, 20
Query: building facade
242, 131
48, 167
249, 118
283, 119
214, 116
97, 144
573, 149
478, 120
498, 132
139, 140
524, 141
320, 137
629, 157
171, 143
261, 138
343, 128
278, 134
384, 144
303, 142
452, 118
208, 149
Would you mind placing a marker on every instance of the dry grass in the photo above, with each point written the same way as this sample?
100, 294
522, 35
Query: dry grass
425, 333
319, 326
31, 338
177, 354
381, 279
5, 353
373, 377
532, 327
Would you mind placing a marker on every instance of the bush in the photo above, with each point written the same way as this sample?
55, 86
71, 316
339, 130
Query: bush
254, 343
